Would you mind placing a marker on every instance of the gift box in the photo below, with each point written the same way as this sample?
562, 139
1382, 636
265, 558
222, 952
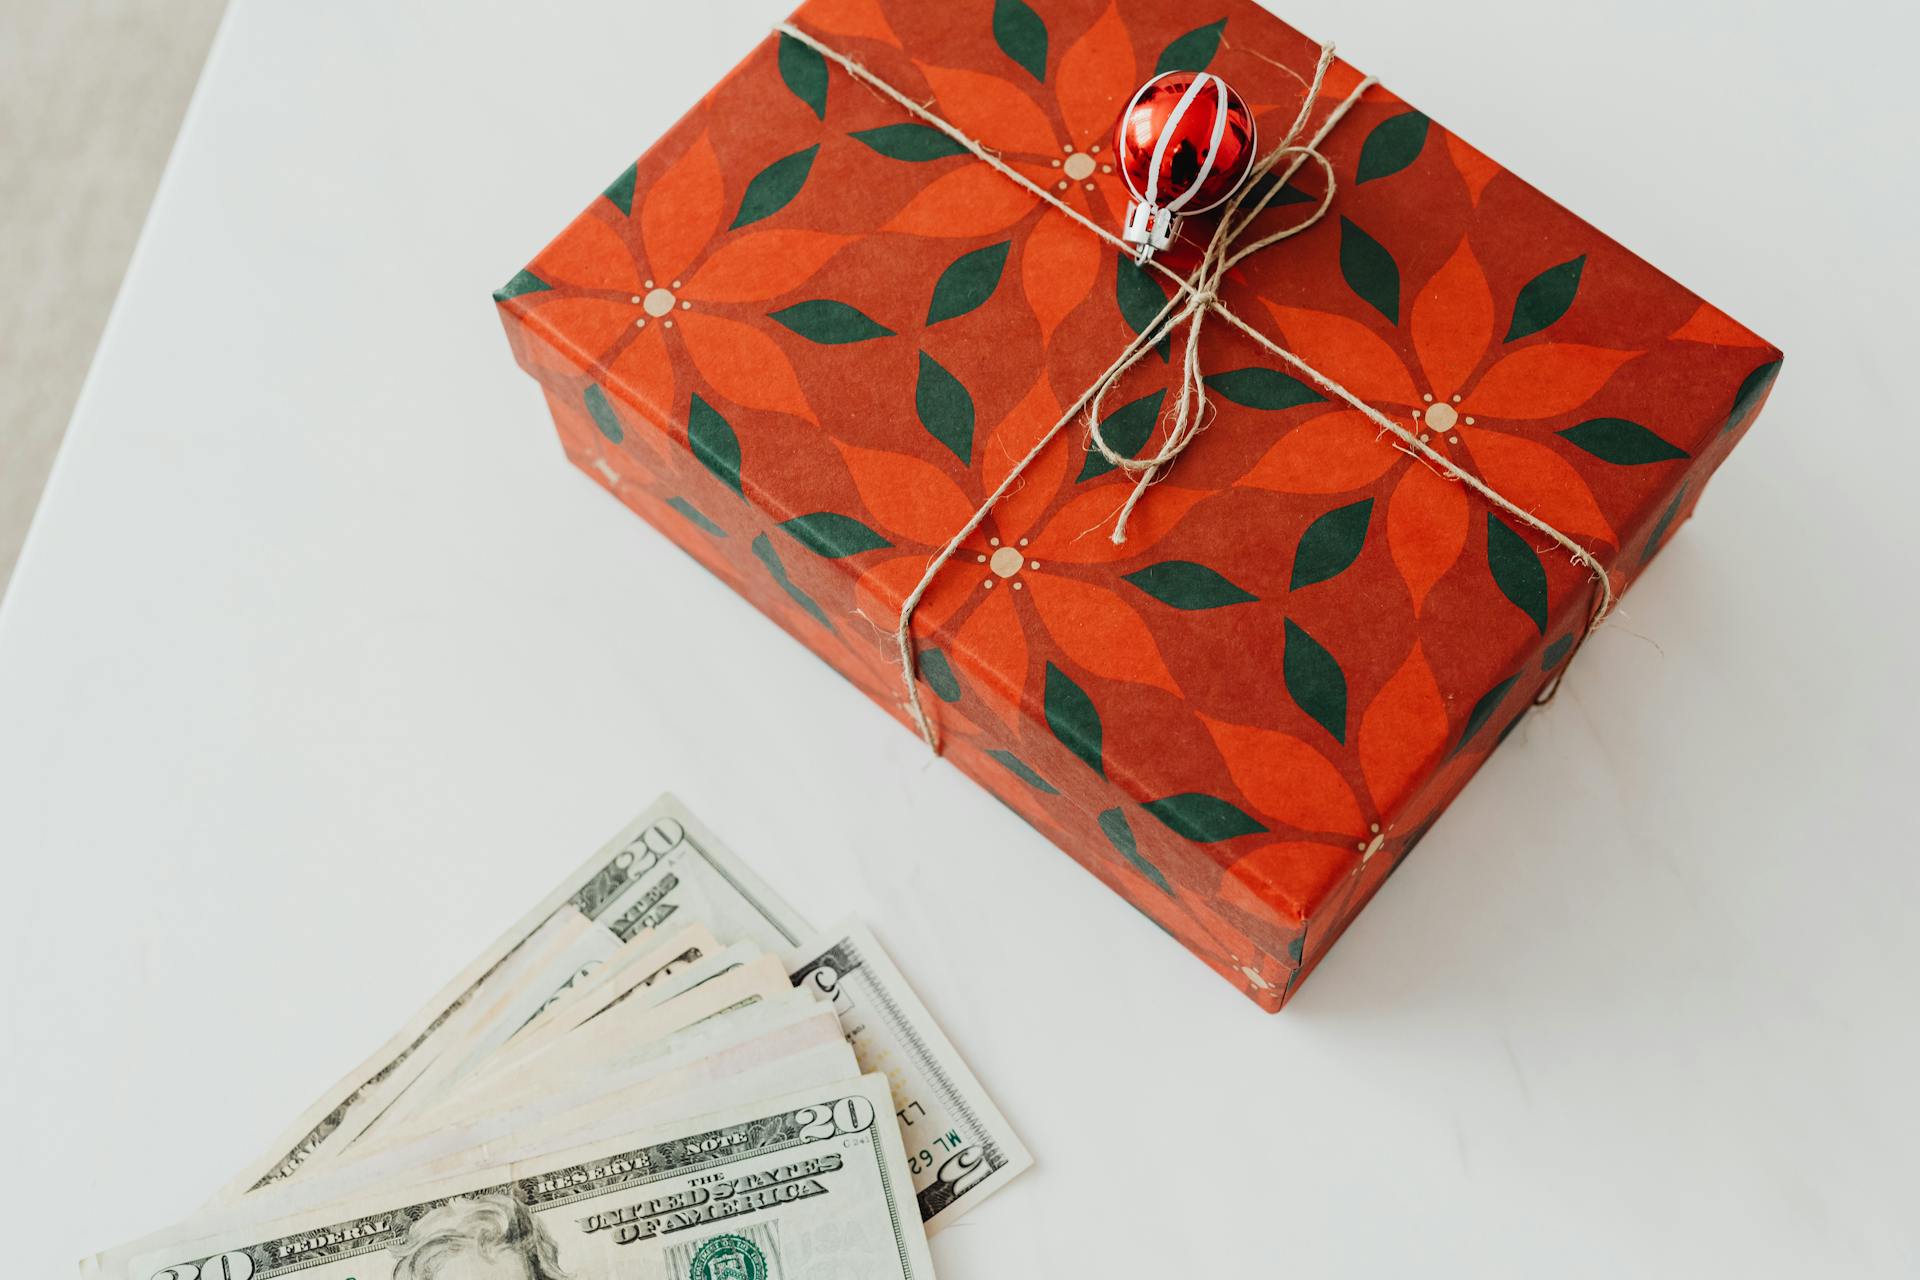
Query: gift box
812, 331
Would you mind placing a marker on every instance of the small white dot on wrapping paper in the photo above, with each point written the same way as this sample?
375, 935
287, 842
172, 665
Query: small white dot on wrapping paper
988, 584
1424, 437
1056, 164
686, 306
645, 284
1428, 399
1456, 399
1023, 542
1374, 828
981, 559
667, 323
1468, 421
1064, 184
641, 323
993, 542
1453, 439
636, 299
1017, 586
1033, 564
676, 284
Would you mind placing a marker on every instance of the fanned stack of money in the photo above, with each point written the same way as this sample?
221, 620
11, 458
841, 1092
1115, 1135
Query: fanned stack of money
661, 1071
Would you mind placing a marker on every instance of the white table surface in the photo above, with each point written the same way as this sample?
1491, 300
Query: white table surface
321, 664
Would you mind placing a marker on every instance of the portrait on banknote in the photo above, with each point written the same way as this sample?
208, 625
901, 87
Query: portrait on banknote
480, 1237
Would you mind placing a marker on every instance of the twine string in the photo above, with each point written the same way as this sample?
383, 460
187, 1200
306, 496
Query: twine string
1195, 298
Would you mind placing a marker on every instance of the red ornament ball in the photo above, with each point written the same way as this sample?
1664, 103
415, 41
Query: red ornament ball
1210, 142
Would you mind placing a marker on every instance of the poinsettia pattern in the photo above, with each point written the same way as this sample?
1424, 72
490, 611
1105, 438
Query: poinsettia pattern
1487, 405
634, 276
1238, 717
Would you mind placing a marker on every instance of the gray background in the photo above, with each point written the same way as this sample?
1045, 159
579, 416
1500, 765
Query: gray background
91, 92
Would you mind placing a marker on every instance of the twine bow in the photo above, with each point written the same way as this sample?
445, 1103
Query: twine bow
1195, 299
1201, 297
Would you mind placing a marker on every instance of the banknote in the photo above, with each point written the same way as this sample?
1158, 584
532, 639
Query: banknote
960, 1149
724, 1061
595, 1083
812, 1184
663, 867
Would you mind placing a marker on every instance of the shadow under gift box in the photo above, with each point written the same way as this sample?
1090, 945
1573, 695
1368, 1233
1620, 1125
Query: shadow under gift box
805, 336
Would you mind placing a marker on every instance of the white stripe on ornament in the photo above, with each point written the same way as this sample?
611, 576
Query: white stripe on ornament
1166, 135
1213, 147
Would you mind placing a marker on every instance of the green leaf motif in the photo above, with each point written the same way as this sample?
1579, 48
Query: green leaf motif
1331, 543
695, 515
1370, 270
1315, 681
523, 282
1517, 570
1258, 188
1186, 585
830, 323
1546, 297
1752, 389
1623, 443
1021, 35
1073, 718
805, 72
1258, 388
1661, 526
620, 191
714, 445
775, 186
1202, 818
968, 282
1192, 51
601, 410
938, 673
1020, 769
763, 552
1483, 711
1113, 824
914, 142
1552, 655
1125, 430
945, 407
1394, 144
1141, 300
832, 535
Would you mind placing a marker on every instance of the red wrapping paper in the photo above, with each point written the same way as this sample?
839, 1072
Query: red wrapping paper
805, 336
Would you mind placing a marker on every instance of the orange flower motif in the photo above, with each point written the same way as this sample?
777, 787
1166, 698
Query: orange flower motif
1465, 394
617, 290
1066, 151
1019, 570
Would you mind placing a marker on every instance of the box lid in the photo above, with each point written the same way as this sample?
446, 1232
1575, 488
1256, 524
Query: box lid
856, 327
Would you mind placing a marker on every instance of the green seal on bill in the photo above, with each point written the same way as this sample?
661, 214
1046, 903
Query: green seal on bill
728, 1257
